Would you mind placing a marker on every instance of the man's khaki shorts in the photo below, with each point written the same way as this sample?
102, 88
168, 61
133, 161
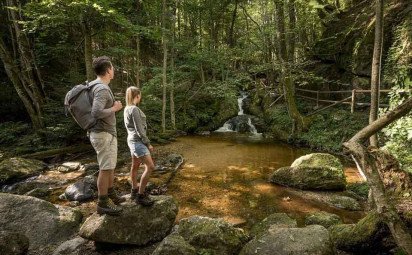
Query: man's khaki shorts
105, 145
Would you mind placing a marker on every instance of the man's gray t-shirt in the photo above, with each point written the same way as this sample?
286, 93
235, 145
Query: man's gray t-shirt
103, 100
135, 122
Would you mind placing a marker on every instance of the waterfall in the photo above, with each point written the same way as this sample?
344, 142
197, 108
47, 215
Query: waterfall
240, 104
241, 122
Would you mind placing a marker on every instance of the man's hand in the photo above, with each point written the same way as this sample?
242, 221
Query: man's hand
117, 106
150, 147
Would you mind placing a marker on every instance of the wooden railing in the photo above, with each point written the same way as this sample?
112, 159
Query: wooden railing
350, 100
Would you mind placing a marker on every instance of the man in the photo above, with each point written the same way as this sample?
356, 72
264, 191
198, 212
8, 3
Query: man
103, 135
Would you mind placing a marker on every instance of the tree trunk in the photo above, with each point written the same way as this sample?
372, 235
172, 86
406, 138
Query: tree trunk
88, 49
292, 32
138, 63
164, 83
172, 69
376, 68
21, 66
370, 166
231, 39
286, 75
30, 102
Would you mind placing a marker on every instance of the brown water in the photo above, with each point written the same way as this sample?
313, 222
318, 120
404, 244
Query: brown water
226, 176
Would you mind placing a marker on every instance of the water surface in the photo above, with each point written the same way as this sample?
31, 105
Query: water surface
226, 176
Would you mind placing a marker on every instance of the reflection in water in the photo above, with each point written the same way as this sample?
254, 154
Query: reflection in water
226, 176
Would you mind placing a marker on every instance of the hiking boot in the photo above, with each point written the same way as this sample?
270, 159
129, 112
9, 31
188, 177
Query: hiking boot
133, 194
144, 199
106, 206
115, 197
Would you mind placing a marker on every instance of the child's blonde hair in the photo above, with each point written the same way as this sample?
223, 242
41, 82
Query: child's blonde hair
131, 93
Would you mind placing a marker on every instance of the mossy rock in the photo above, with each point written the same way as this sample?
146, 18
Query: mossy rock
368, 236
137, 225
323, 218
281, 220
212, 236
13, 243
359, 189
174, 244
317, 171
15, 169
311, 240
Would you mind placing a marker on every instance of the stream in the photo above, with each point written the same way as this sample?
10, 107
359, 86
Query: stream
225, 175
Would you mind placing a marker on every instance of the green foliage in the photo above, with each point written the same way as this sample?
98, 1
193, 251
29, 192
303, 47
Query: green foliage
399, 133
361, 189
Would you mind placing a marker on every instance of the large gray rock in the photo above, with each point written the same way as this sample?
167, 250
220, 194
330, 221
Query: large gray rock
214, 236
81, 190
15, 169
44, 224
69, 167
323, 218
137, 225
311, 240
174, 244
334, 199
317, 171
169, 163
12, 243
70, 247
281, 220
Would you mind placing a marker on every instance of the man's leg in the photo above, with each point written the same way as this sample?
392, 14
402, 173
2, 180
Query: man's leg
103, 182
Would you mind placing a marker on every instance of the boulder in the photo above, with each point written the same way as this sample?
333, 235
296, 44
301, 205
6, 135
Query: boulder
70, 247
323, 218
214, 236
14, 169
369, 236
41, 193
81, 190
69, 167
31, 216
334, 199
90, 169
317, 171
344, 202
169, 163
311, 240
136, 225
174, 244
277, 219
13, 243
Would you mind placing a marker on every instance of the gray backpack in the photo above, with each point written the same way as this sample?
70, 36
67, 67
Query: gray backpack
79, 102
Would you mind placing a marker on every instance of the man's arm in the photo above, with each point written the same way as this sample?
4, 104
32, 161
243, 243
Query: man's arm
99, 102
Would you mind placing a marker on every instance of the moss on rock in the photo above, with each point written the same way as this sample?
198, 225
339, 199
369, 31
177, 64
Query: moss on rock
323, 218
15, 169
277, 220
369, 235
318, 171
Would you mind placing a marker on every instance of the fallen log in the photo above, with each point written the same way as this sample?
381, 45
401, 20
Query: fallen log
383, 203
59, 151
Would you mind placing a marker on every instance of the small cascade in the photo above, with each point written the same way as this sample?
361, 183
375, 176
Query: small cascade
253, 129
240, 104
241, 123
227, 127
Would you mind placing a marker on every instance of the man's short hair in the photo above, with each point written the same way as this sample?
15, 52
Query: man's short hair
101, 65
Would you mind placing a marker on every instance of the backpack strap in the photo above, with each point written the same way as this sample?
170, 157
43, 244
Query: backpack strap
92, 87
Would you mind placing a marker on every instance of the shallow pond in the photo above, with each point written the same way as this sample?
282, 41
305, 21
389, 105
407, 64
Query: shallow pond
225, 175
